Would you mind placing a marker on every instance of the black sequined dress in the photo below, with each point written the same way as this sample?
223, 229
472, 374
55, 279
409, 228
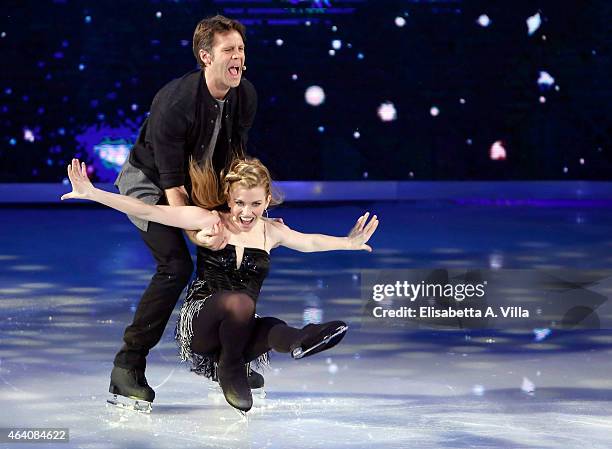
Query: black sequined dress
218, 271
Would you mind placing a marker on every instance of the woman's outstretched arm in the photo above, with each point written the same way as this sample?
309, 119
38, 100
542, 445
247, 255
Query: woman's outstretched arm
185, 217
307, 243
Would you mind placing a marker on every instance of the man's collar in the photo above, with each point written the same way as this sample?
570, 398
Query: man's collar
207, 95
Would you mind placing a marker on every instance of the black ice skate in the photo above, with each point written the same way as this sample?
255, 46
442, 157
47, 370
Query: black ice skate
235, 386
129, 389
318, 337
254, 379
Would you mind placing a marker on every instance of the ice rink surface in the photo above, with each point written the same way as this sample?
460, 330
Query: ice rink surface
70, 279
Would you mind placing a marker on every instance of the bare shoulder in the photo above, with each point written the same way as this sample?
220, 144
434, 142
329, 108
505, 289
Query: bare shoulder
276, 230
274, 225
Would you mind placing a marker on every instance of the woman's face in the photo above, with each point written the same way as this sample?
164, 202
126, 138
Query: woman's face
247, 205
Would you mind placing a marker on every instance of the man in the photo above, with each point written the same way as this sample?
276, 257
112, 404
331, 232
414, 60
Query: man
206, 115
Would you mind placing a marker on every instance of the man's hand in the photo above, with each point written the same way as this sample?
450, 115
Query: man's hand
213, 238
278, 220
229, 223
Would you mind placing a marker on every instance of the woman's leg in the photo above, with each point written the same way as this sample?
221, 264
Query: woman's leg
261, 341
224, 326
225, 319
272, 333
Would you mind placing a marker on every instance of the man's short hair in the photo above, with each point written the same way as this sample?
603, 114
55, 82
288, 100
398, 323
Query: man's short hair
204, 34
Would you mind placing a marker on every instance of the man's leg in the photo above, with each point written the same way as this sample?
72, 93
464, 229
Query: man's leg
174, 269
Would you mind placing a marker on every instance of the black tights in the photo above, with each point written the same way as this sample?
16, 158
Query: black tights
226, 325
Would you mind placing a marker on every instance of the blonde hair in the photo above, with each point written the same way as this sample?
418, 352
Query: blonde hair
210, 191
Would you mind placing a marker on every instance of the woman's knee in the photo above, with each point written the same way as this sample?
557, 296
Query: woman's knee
239, 305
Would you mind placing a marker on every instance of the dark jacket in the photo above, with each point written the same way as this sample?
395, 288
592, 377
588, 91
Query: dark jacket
181, 123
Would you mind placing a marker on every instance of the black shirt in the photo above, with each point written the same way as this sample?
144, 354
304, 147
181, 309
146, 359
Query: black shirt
181, 124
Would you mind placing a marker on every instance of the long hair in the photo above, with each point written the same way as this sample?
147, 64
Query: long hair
209, 191
206, 191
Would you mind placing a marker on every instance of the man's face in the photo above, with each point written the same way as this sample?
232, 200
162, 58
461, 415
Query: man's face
224, 65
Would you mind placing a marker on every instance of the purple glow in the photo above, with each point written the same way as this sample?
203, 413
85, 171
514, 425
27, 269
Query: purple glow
106, 147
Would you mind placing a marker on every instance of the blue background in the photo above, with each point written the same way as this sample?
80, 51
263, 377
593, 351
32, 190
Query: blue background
78, 79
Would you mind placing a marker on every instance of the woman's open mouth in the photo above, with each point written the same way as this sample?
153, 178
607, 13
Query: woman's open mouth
246, 220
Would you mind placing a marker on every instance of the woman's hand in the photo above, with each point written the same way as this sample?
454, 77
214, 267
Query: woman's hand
362, 231
81, 185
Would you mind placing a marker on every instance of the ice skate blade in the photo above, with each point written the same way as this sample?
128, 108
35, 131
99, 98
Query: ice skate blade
216, 395
298, 353
243, 415
136, 405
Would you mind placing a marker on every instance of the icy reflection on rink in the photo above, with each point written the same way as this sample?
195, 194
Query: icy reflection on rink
63, 308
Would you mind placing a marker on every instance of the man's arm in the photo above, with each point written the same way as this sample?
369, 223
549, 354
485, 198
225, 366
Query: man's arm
177, 196
168, 125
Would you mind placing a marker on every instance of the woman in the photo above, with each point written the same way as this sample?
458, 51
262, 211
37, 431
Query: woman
227, 334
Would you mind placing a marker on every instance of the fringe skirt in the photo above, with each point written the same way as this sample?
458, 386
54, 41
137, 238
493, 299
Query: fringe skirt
202, 364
